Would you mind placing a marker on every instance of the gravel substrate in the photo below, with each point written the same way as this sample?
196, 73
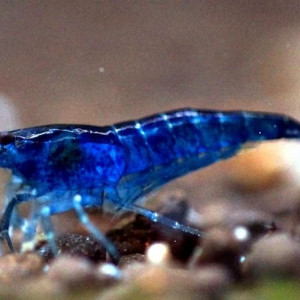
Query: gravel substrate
243, 249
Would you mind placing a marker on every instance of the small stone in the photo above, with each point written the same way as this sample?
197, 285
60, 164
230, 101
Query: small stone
73, 272
162, 280
146, 281
41, 287
19, 266
76, 245
222, 213
258, 169
213, 278
222, 248
276, 254
181, 244
132, 238
134, 270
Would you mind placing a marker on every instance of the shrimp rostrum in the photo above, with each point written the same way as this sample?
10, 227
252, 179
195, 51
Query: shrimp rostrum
69, 167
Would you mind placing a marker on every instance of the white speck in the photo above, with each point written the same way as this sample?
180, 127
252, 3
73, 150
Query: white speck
110, 270
176, 225
101, 69
77, 198
241, 233
154, 217
138, 126
242, 259
115, 129
165, 117
158, 253
46, 268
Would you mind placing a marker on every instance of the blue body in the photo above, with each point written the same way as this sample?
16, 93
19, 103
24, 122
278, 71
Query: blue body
128, 160
119, 164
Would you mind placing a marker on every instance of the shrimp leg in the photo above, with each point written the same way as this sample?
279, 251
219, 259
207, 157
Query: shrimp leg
4, 225
93, 230
155, 217
47, 225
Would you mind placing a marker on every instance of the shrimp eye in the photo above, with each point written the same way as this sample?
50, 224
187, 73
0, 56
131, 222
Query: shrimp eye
6, 139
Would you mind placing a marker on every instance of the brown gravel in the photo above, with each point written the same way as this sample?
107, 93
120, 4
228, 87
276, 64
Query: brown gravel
75, 245
240, 245
72, 272
221, 247
275, 255
19, 266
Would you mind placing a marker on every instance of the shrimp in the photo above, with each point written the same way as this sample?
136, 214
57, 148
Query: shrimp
65, 167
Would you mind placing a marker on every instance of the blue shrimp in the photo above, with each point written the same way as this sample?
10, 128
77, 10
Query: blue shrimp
58, 168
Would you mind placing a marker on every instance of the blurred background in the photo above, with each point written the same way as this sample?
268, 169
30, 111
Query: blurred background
104, 61
99, 62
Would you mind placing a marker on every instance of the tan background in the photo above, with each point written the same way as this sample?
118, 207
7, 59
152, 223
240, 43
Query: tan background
156, 55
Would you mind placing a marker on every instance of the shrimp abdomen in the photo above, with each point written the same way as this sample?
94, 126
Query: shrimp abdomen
166, 146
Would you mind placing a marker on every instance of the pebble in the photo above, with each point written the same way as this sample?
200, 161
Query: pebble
76, 245
277, 254
224, 214
220, 247
73, 272
161, 282
19, 266
259, 168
